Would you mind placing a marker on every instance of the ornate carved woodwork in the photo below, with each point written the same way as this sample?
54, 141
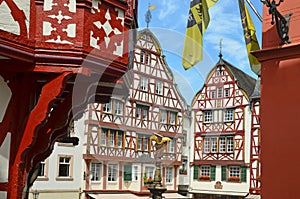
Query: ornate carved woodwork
55, 57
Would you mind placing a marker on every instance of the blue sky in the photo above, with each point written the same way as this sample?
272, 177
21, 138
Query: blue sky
168, 23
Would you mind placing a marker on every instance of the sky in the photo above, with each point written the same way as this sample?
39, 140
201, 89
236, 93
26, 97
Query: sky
168, 24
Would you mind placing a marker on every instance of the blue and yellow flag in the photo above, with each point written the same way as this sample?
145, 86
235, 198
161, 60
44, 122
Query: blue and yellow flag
250, 37
197, 23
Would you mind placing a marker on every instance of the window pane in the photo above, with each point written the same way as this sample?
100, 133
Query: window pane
206, 145
208, 116
234, 171
95, 171
112, 138
103, 137
169, 174
219, 92
205, 170
112, 172
230, 145
42, 172
64, 167
213, 145
222, 145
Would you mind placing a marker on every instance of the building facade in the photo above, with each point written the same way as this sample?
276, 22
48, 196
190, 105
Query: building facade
222, 134
120, 153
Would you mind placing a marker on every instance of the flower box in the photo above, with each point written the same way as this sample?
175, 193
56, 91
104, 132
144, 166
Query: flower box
233, 179
204, 178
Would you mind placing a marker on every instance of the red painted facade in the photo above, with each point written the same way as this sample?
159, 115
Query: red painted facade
280, 107
61, 56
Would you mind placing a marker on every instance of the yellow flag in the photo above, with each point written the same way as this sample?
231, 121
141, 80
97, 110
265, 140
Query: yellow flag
197, 23
250, 37
152, 7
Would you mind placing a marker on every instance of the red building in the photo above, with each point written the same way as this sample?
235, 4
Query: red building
280, 107
48, 50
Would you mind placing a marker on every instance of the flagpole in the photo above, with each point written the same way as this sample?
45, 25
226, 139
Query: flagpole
254, 10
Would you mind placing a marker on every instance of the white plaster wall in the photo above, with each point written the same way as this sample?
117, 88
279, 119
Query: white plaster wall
4, 158
7, 22
248, 119
5, 96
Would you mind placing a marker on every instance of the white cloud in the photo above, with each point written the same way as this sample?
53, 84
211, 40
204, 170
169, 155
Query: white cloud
167, 8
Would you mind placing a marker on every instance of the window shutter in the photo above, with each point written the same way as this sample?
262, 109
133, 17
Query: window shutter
244, 174
127, 172
212, 173
224, 176
196, 171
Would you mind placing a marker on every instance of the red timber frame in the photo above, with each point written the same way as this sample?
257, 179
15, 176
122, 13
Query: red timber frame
43, 76
255, 162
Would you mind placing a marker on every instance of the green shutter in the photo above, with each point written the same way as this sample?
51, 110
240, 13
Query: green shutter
196, 171
224, 173
212, 173
127, 172
244, 174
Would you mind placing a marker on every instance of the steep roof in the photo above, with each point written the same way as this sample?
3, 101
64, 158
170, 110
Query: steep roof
256, 92
244, 81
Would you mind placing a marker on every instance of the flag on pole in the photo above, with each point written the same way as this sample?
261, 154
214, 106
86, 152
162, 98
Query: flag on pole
250, 37
152, 7
197, 23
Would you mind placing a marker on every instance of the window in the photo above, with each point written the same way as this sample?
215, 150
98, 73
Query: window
204, 172
217, 73
135, 173
214, 145
158, 87
169, 174
142, 56
206, 145
147, 58
103, 137
229, 144
218, 145
222, 144
42, 169
220, 92
171, 146
149, 172
142, 112
163, 116
107, 107
228, 115
144, 84
64, 167
168, 117
112, 138
119, 107
234, 171
112, 170
95, 171
212, 94
208, 117
142, 143
226, 92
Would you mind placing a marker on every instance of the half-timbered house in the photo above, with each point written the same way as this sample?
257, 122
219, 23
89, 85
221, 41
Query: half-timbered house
222, 134
119, 154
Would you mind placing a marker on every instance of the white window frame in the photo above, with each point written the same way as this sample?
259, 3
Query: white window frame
220, 92
213, 94
147, 58
206, 144
149, 170
226, 92
120, 139
119, 107
222, 144
107, 107
163, 116
204, 170
229, 115
234, 171
112, 172
95, 171
65, 160
214, 145
169, 174
158, 87
112, 138
144, 84
43, 170
142, 56
171, 146
230, 145
173, 117
207, 116
135, 173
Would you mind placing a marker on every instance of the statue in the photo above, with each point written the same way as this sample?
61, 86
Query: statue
157, 188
